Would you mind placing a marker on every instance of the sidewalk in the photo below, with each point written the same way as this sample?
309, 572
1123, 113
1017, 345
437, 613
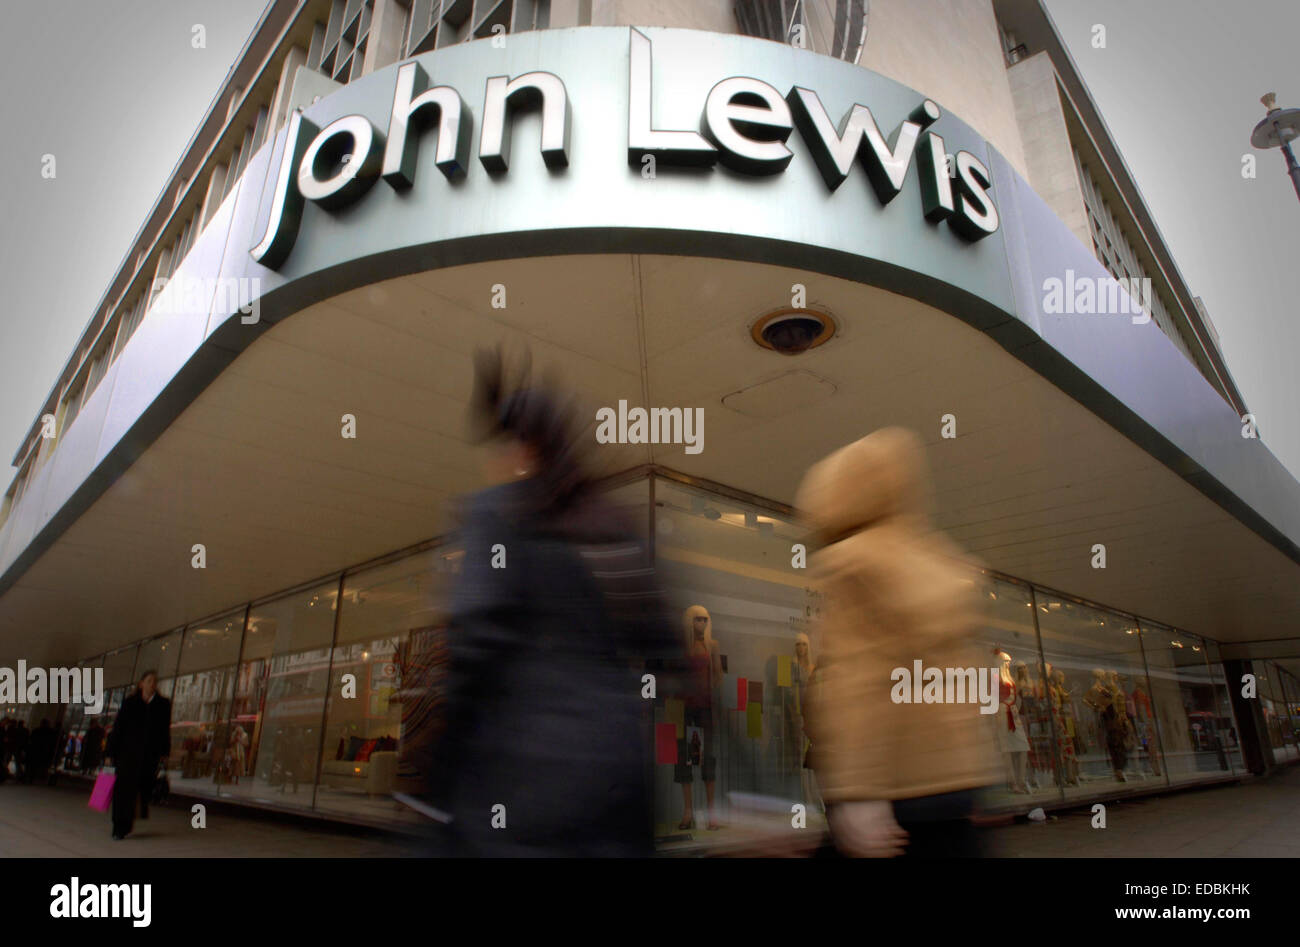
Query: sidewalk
55, 822
1258, 819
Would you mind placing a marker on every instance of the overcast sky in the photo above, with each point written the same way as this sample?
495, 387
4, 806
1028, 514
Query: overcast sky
114, 89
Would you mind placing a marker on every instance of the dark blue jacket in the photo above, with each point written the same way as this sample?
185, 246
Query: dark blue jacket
544, 713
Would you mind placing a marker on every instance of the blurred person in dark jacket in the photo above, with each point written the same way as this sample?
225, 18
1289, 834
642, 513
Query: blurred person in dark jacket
92, 747
547, 742
895, 776
138, 744
40, 752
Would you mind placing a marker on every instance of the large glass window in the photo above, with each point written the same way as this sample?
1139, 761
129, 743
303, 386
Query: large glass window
72, 729
391, 622
161, 654
1185, 705
1104, 682
1291, 706
1020, 734
279, 701
206, 751
738, 727
118, 667
1224, 722
1275, 715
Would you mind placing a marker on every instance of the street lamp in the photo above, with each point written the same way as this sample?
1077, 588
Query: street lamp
1279, 127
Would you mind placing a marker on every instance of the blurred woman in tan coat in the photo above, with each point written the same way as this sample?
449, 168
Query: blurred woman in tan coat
894, 776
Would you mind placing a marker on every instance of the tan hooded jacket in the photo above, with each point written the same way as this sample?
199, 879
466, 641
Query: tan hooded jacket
894, 594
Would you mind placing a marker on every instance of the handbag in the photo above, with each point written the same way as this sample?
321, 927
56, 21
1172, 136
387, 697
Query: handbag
102, 794
162, 788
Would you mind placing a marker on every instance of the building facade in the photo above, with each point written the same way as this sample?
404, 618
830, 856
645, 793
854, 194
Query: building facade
241, 475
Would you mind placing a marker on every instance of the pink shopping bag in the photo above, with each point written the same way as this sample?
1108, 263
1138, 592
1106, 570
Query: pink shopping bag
102, 794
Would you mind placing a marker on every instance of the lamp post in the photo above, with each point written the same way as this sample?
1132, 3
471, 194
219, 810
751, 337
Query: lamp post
1279, 128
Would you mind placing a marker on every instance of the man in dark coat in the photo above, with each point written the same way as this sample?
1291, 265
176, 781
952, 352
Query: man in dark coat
139, 742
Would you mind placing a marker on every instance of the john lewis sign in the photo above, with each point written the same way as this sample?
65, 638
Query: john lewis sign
745, 125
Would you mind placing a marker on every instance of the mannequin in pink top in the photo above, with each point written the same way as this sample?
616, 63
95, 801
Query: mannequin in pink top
703, 677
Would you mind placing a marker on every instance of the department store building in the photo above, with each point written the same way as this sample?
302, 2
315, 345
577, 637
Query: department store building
643, 193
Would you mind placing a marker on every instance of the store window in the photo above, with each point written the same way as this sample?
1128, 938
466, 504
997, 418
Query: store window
161, 654
97, 737
1273, 703
206, 751
1184, 693
279, 701
1224, 721
1099, 656
119, 666
1291, 705
71, 735
391, 628
1020, 734
745, 611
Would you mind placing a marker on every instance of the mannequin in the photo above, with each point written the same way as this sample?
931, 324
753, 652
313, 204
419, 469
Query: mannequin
1145, 718
1123, 711
1114, 723
1034, 724
1011, 736
1063, 721
804, 669
703, 676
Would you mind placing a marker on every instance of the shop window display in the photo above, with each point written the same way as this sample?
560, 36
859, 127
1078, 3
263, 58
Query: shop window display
1020, 733
207, 752
1291, 704
391, 627
1273, 702
1223, 721
96, 737
1183, 690
1094, 659
1289, 735
749, 645
280, 697
72, 732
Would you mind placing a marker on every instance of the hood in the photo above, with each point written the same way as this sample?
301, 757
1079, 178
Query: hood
688, 624
882, 475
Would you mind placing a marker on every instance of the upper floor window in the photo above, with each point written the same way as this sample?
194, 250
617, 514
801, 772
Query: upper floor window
346, 36
832, 27
438, 23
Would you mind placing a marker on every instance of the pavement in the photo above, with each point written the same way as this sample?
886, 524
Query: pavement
56, 822
1259, 818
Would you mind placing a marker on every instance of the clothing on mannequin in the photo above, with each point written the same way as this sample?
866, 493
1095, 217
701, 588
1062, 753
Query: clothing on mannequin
1012, 737
1114, 720
1064, 724
702, 678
